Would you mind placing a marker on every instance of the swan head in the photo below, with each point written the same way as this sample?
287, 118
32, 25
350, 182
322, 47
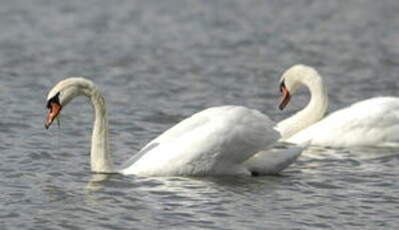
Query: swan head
62, 93
292, 79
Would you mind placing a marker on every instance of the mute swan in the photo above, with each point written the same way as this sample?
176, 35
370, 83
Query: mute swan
372, 122
215, 141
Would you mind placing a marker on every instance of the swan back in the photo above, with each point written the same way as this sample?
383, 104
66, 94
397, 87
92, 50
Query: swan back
372, 122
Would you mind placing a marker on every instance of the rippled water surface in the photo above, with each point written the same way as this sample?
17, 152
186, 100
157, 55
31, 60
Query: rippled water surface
160, 61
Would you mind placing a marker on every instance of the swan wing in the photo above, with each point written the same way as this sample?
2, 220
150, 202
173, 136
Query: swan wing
214, 141
372, 122
173, 133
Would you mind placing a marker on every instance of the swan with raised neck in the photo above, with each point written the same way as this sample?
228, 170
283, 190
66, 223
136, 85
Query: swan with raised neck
292, 79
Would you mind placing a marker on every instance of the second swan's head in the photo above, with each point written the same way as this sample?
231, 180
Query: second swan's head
62, 93
292, 79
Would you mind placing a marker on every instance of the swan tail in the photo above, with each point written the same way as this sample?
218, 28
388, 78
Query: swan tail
273, 161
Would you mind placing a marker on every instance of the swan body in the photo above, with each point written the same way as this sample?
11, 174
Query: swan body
372, 122
215, 141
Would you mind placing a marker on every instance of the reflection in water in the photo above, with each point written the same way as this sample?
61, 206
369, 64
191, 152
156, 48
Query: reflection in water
55, 193
95, 184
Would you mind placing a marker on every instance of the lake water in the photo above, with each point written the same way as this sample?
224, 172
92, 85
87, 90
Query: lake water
160, 61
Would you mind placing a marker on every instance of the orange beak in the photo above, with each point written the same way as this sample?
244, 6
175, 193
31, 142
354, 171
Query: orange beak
285, 98
53, 111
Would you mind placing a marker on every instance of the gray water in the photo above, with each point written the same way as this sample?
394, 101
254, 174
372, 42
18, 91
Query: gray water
160, 61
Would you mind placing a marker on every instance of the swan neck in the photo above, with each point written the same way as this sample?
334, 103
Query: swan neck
312, 113
100, 156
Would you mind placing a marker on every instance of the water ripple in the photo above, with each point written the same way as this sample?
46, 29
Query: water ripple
158, 62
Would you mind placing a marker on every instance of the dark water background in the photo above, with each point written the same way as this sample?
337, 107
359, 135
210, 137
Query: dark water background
160, 61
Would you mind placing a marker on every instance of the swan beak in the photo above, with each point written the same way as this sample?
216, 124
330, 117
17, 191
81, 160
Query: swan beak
285, 98
53, 111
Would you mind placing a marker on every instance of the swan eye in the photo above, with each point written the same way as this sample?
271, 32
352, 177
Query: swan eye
54, 99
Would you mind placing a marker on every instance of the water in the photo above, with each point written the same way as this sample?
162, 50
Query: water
160, 61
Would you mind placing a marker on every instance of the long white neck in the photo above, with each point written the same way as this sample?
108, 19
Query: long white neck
100, 156
311, 114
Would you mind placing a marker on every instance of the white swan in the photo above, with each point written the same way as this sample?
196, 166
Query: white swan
372, 122
216, 141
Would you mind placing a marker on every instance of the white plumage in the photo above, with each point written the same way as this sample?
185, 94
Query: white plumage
372, 122
214, 141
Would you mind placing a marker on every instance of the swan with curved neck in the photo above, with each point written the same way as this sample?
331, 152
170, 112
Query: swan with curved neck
225, 140
292, 79
372, 122
61, 95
